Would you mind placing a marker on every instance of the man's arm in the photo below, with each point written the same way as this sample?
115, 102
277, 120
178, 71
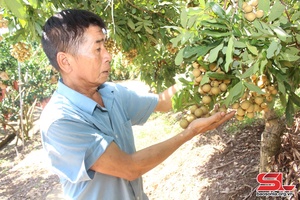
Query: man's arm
117, 163
165, 99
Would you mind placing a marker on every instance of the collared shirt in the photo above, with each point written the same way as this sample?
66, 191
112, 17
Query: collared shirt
76, 131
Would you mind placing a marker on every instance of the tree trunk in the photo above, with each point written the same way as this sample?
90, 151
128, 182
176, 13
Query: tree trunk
270, 139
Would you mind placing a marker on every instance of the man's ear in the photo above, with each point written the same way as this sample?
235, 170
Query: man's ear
63, 62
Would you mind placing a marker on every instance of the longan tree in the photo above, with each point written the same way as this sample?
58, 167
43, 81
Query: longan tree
243, 56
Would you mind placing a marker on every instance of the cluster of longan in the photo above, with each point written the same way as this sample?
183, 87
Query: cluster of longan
21, 51
251, 11
171, 49
3, 22
213, 87
252, 102
198, 111
111, 47
130, 56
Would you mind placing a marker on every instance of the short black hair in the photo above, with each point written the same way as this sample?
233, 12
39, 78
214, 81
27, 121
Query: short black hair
64, 31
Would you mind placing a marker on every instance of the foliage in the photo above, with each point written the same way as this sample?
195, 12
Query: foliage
244, 49
133, 25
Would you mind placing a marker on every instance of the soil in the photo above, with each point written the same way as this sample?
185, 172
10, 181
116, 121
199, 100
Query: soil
221, 164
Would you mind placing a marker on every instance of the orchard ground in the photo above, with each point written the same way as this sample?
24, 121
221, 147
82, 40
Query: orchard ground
221, 164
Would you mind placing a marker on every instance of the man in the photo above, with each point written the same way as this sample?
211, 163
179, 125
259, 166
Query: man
86, 128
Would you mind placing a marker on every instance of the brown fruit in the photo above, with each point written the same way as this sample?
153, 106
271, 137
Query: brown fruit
259, 14
206, 88
250, 115
206, 99
235, 105
264, 105
250, 108
200, 90
239, 118
274, 92
214, 83
204, 109
215, 90
196, 65
269, 98
213, 66
196, 72
245, 104
250, 16
190, 118
253, 3
184, 123
240, 112
199, 78
198, 112
223, 87
193, 108
258, 100
256, 108
248, 9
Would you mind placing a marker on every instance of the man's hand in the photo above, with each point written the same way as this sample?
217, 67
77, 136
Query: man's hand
202, 125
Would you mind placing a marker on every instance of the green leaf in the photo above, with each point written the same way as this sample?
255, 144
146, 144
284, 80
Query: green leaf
199, 50
274, 49
253, 87
276, 11
213, 54
295, 99
229, 52
17, 8
235, 93
179, 57
213, 24
264, 5
217, 9
282, 35
252, 49
137, 29
183, 18
205, 79
149, 30
248, 72
289, 57
219, 76
289, 111
216, 34
130, 24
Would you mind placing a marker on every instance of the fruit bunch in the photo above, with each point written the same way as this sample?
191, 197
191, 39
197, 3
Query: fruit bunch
199, 111
208, 91
213, 87
111, 46
3, 22
21, 51
252, 102
250, 10
171, 49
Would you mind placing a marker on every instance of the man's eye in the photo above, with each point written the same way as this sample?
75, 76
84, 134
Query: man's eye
99, 49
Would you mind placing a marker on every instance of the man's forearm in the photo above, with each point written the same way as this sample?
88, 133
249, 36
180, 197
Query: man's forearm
165, 99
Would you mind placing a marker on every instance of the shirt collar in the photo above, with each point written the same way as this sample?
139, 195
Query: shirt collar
83, 102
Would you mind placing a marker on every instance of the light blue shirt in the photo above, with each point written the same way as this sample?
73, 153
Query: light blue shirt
76, 131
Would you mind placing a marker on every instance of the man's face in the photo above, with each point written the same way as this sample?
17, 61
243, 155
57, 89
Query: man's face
91, 64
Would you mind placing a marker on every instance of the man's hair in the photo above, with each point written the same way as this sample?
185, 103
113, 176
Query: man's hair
64, 31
